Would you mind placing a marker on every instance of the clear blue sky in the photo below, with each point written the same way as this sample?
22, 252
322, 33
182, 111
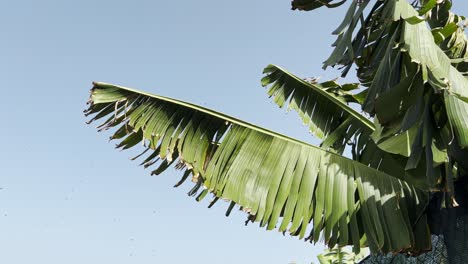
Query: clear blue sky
66, 195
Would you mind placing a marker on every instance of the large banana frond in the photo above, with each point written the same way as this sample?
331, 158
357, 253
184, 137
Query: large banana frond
281, 182
316, 103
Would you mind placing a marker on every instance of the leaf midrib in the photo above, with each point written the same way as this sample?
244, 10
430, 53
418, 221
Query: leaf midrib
208, 111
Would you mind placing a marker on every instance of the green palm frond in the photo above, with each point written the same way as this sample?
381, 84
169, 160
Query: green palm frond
431, 94
417, 88
317, 105
429, 55
323, 108
279, 181
391, 49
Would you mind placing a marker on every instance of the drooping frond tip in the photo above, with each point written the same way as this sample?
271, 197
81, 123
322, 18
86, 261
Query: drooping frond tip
308, 5
282, 183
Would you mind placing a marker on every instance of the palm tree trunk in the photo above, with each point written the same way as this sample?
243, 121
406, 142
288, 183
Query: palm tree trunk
455, 225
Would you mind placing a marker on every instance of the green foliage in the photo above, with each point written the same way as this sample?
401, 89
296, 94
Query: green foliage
340, 255
412, 64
